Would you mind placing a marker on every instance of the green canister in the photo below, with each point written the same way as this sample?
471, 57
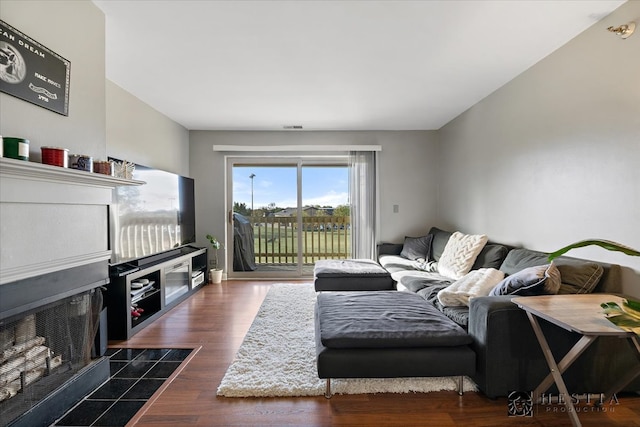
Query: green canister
15, 148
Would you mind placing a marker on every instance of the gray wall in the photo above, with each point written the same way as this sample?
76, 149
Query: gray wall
550, 158
76, 31
103, 118
408, 174
554, 156
138, 133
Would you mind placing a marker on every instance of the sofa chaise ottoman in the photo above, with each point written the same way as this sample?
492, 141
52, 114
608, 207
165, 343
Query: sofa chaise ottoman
351, 275
387, 334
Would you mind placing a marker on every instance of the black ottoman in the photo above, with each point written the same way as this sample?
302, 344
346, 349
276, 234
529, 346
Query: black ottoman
351, 275
388, 334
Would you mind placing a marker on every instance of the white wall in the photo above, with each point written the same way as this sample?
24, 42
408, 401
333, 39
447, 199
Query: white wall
75, 30
140, 134
408, 171
554, 156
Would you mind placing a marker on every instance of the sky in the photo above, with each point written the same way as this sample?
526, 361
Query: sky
321, 185
161, 192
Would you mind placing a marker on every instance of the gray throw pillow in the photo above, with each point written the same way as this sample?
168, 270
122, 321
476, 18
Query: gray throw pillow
440, 240
491, 256
578, 277
520, 258
538, 280
417, 248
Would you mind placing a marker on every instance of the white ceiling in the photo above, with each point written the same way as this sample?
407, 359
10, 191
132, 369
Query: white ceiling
329, 65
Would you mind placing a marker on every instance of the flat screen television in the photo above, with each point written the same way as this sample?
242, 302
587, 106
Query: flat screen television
149, 219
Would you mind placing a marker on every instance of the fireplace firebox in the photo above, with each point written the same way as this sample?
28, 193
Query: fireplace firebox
43, 349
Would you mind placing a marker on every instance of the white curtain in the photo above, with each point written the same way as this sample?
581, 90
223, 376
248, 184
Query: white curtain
362, 193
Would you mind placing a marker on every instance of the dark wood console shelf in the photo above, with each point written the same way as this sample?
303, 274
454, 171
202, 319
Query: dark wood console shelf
151, 285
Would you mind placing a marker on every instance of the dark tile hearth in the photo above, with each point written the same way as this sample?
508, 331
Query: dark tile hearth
136, 374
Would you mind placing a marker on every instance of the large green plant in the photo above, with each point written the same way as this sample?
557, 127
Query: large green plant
627, 316
607, 244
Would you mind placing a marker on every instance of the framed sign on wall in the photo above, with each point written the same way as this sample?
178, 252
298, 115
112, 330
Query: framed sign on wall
30, 71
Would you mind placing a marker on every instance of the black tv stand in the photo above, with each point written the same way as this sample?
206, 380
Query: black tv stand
152, 285
142, 262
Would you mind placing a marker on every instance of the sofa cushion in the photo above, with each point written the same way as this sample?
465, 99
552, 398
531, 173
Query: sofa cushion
476, 283
417, 248
348, 267
384, 319
389, 248
520, 258
459, 314
578, 276
460, 254
351, 275
427, 286
440, 239
491, 256
539, 280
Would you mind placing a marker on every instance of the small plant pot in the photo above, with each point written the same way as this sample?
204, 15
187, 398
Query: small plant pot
215, 275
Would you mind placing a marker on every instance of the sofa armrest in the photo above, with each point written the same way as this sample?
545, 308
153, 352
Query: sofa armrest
509, 358
389, 248
494, 324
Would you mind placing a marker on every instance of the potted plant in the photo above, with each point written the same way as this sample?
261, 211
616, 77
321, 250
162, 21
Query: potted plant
215, 273
627, 316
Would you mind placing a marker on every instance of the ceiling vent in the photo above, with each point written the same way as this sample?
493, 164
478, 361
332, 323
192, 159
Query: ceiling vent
292, 127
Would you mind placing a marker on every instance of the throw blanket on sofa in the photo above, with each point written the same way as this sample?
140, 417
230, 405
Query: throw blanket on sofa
460, 315
477, 283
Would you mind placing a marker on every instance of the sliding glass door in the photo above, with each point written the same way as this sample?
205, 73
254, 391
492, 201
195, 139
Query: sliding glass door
285, 214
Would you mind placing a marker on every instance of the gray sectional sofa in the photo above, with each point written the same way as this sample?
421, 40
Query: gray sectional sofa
508, 356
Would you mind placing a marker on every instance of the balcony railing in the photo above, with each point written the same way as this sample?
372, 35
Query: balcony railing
323, 237
143, 235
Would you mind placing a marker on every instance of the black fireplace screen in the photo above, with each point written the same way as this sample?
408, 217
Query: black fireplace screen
42, 349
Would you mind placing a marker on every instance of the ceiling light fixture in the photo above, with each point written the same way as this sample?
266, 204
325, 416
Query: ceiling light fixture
624, 31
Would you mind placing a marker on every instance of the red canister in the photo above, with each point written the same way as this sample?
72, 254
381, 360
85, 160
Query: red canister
55, 156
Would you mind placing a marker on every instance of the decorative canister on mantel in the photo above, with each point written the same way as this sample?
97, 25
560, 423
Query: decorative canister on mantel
102, 166
55, 156
81, 162
15, 148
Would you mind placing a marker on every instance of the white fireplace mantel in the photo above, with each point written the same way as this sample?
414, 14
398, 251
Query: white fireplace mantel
28, 182
52, 218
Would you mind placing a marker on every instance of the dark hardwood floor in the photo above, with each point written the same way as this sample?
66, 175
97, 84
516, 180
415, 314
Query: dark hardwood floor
216, 319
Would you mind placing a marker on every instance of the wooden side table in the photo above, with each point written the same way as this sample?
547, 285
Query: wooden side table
576, 313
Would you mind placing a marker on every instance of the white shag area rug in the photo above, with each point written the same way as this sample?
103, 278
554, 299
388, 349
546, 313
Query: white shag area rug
278, 355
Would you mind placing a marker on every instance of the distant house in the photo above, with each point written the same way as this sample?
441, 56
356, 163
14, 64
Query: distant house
324, 211
285, 212
309, 210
